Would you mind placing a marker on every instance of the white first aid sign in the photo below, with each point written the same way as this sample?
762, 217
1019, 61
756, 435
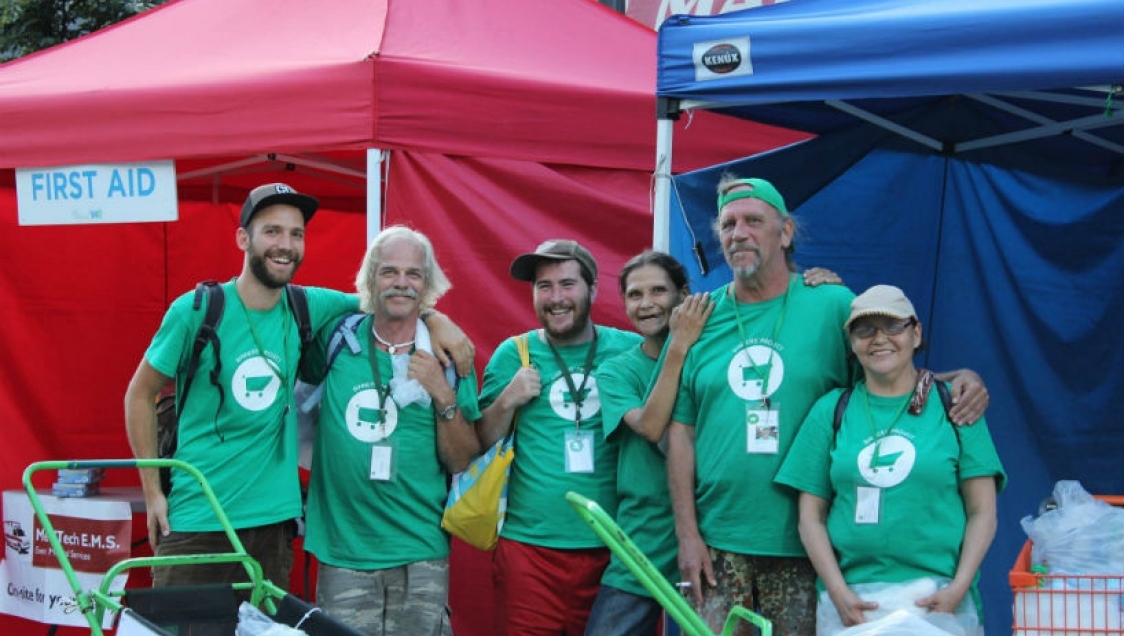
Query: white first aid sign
97, 193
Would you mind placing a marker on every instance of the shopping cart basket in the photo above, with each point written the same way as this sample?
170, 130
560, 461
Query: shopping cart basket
652, 579
1066, 604
175, 604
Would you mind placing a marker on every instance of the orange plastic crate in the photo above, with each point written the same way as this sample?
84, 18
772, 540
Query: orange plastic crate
1066, 605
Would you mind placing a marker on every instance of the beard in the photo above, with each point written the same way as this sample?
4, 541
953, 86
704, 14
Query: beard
576, 327
261, 271
747, 271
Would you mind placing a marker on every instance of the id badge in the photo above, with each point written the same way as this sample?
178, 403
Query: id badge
579, 452
383, 462
868, 500
762, 430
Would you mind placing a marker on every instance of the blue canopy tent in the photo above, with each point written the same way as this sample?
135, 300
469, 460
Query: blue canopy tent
968, 151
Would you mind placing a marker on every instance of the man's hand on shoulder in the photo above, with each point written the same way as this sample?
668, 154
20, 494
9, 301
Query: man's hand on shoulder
449, 341
969, 396
816, 276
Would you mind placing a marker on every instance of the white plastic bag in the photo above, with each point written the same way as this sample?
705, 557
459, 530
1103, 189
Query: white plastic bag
899, 598
1081, 536
903, 623
254, 622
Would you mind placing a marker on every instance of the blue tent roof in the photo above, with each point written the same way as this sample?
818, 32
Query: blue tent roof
816, 50
1040, 67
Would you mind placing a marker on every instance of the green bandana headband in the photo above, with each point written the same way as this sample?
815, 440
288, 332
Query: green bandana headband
758, 189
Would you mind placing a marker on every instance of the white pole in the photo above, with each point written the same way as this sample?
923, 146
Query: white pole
661, 202
375, 157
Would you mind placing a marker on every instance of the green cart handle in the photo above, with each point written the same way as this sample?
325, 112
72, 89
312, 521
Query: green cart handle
93, 604
677, 607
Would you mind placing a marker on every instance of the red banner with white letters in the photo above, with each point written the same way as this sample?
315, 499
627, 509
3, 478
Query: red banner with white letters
95, 533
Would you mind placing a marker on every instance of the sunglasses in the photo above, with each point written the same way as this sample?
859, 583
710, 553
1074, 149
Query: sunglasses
867, 329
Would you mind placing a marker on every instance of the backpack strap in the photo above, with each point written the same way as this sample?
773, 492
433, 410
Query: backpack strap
942, 391
298, 303
946, 402
206, 334
840, 407
344, 333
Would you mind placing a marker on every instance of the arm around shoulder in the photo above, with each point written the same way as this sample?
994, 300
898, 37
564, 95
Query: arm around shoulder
449, 341
969, 395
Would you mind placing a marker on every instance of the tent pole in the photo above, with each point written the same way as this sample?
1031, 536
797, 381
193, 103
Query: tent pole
667, 111
375, 158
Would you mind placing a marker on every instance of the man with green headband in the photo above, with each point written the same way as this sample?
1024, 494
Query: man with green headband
772, 347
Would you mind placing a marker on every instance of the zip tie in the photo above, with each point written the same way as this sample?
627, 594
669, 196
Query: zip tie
305, 617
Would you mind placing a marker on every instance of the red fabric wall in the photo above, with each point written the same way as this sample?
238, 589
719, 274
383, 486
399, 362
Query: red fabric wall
79, 304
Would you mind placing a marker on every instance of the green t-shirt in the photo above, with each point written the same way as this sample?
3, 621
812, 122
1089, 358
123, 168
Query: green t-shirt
918, 470
248, 453
643, 502
537, 512
797, 351
357, 522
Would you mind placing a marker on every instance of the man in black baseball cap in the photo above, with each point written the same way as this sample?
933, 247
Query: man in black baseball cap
274, 193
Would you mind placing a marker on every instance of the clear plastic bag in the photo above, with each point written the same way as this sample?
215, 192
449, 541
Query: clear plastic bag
253, 622
903, 623
1081, 536
895, 599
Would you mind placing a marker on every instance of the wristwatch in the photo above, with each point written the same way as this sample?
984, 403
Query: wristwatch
448, 413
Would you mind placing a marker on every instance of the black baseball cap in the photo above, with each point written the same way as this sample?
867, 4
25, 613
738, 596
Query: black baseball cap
274, 193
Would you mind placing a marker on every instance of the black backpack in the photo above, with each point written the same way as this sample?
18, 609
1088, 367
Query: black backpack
169, 406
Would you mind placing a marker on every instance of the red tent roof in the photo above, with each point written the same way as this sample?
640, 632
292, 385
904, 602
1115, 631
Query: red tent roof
556, 82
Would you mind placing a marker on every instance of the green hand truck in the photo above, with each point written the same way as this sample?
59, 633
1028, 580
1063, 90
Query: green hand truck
652, 579
93, 604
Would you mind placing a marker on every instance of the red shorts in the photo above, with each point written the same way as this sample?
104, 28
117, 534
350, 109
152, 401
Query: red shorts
543, 590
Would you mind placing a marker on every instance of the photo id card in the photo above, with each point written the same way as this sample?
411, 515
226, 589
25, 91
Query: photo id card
762, 430
579, 452
867, 502
383, 462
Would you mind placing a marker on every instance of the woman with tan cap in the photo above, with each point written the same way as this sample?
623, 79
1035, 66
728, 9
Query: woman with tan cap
892, 495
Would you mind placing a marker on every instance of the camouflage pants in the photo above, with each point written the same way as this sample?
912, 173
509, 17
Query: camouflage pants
782, 589
409, 600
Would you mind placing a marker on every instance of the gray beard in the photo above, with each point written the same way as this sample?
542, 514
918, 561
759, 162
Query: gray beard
747, 272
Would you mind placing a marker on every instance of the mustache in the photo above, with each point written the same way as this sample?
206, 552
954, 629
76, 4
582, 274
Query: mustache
743, 245
283, 253
391, 293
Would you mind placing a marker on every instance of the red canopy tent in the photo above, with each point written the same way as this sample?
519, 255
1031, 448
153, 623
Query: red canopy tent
504, 123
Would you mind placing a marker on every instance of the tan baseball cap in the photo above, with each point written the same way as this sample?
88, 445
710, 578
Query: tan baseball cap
523, 267
880, 300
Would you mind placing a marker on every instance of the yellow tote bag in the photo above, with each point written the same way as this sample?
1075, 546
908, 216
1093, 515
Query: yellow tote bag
477, 500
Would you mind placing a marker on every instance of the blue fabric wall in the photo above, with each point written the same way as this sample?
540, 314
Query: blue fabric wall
1015, 264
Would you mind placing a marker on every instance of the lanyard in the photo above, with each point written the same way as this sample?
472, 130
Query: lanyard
874, 432
373, 358
776, 334
577, 394
261, 350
